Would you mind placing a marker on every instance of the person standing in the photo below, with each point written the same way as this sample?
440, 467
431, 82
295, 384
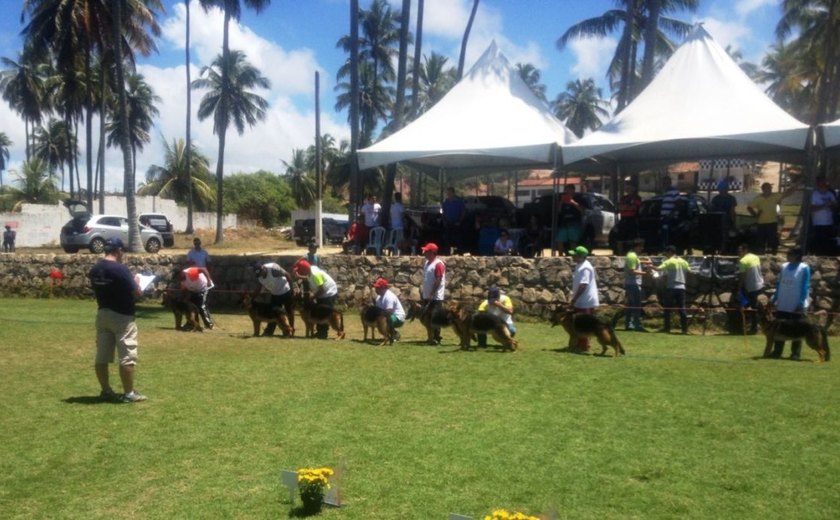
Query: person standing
750, 284
823, 205
371, 211
570, 219
791, 298
433, 288
765, 208
197, 256
388, 302
311, 255
669, 211
724, 203
628, 224
196, 282
397, 217
9, 237
497, 304
278, 283
584, 289
454, 211
116, 291
633, 287
323, 287
675, 269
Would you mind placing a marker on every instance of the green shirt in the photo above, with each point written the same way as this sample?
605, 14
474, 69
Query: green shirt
631, 265
675, 269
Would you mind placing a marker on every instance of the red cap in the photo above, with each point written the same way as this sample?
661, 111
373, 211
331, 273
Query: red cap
193, 273
431, 246
303, 267
381, 282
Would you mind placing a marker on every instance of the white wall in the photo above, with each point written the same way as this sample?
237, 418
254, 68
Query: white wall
40, 224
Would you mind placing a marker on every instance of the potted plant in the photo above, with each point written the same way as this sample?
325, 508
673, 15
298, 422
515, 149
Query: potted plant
312, 483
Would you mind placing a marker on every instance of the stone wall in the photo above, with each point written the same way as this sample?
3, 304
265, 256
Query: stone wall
534, 284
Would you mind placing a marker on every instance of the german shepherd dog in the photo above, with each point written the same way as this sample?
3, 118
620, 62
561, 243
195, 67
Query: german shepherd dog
437, 318
792, 329
260, 312
487, 323
184, 310
374, 318
314, 314
586, 325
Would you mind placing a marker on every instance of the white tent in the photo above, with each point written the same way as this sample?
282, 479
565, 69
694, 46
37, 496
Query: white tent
700, 105
831, 134
490, 120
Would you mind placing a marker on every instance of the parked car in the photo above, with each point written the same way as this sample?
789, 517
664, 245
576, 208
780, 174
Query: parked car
91, 232
599, 216
688, 233
491, 209
303, 231
162, 224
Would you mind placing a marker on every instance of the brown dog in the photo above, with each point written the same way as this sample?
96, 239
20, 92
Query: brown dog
260, 312
438, 318
314, 314
586, 325
488, 323
792, 329
183, 309
374, 318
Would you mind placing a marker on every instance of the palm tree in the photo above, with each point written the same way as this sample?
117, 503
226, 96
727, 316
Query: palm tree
229, 100
177, 179
531, 76
22, 86
781, 70
818, 38
435, 81
140, 101
466, 38
232, 10
34, 184
417, 62
53, 147
301, 180
581, 106
5, 144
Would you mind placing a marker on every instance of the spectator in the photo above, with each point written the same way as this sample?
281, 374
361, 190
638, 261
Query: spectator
325, 290
116, 291
669, 214
197, 256
196, 281
352, 242
823, 205
628, 210
454, 211
497, 304
388, 302
504, 246
584, 290
765, 208
675, 269
312, 254
531, 243
433, 287
397, 217
278, 283
750, 284
570, 219
372, 213
791, 298
725, 203
633, 287
9, 237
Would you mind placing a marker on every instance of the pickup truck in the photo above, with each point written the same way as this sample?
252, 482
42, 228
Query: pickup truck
303, 231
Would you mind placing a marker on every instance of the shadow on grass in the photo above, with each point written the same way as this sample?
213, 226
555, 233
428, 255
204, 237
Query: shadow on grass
88, 399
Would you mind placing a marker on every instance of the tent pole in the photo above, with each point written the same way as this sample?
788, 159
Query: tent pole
812, 152
555, 185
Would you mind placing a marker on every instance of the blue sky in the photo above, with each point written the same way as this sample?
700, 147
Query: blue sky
292, 39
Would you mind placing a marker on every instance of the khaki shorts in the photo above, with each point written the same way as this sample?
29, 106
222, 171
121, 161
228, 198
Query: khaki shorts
115, 331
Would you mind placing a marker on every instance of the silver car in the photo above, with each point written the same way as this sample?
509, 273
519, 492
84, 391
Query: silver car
91, 232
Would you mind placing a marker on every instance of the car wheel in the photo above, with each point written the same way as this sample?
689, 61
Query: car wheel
153, 245
97, 246
71, 249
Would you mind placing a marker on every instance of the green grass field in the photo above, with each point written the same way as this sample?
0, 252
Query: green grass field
682, 427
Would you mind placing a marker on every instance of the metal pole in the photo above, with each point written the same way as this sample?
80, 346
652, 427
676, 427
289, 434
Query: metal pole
319, 182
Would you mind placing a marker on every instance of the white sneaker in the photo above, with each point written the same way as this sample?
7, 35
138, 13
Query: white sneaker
133, 397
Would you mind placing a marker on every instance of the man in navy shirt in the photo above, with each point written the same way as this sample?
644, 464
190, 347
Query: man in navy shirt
116, 291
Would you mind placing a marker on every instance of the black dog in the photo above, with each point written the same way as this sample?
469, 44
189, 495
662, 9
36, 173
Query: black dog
374, 318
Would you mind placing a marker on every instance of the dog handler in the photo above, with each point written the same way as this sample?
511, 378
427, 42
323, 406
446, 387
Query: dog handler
500, 305
791, 297
196, 281
278, 283
584, 289
116, 291
326, 290
388, 302
434, 286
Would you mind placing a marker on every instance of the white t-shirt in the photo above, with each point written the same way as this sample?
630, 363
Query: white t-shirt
430, 271
585, 274
389, 302
276, 285
197, 285
371, 212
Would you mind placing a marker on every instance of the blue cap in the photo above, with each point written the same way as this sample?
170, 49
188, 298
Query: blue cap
723, 185
113, 244
493, 293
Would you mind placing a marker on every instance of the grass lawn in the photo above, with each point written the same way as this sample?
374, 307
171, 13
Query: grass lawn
682, 427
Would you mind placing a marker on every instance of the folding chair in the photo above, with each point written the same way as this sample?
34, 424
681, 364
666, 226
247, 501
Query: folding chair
376, 236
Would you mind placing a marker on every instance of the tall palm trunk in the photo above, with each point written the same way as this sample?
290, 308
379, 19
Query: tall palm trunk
354, 107
69, 137
651, 30
102, 116
466, 39
189, 129
128, 170
418, 57
223, 109
824, 110
89, 129
399, 104
625, 81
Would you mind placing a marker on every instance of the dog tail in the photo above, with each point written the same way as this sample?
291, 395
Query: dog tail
825, 342
616, 342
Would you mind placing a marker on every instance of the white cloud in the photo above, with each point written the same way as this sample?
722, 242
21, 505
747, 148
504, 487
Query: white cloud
745, 7
592, 57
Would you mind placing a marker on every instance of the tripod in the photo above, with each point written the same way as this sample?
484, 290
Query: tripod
706, 301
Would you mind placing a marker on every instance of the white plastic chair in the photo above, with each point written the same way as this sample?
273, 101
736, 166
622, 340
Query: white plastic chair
376, 237
393, 243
